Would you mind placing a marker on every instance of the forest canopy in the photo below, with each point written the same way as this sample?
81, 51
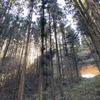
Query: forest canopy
44, 45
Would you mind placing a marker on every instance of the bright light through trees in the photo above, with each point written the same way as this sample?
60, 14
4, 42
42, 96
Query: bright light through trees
62, 2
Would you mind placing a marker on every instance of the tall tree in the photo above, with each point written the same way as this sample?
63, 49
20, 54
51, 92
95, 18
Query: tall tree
22, 79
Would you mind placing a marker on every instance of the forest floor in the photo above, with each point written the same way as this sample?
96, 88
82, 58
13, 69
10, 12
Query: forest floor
87, 89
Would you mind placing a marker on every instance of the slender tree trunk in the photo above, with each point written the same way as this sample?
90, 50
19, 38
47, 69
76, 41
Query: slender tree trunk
61, 61
8, 43
58, 61
41, 78
91, 22
75, 62
11, 31
51, 64
67, 65
22, 79
18, 74
16, 48
46, 67
4, 81
91, 29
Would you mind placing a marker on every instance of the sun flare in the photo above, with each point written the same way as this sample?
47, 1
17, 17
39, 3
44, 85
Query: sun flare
88, 75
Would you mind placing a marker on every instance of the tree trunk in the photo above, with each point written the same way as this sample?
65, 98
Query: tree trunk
41, 78
22, 79
51, 64
58, 61
18, 74
8, 43
91, 29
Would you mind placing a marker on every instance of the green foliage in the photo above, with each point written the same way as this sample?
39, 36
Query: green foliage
47, 57
82, 27
1, 10
86, 90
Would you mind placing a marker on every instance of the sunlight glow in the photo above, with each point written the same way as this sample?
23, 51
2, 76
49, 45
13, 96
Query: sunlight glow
88, 75
62, 2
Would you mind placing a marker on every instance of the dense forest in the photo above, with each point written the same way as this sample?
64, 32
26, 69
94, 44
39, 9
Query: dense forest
44, 46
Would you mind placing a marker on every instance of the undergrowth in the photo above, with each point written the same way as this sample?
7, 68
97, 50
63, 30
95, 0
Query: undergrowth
86, 90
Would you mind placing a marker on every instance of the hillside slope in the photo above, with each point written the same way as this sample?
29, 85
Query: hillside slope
88, 89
